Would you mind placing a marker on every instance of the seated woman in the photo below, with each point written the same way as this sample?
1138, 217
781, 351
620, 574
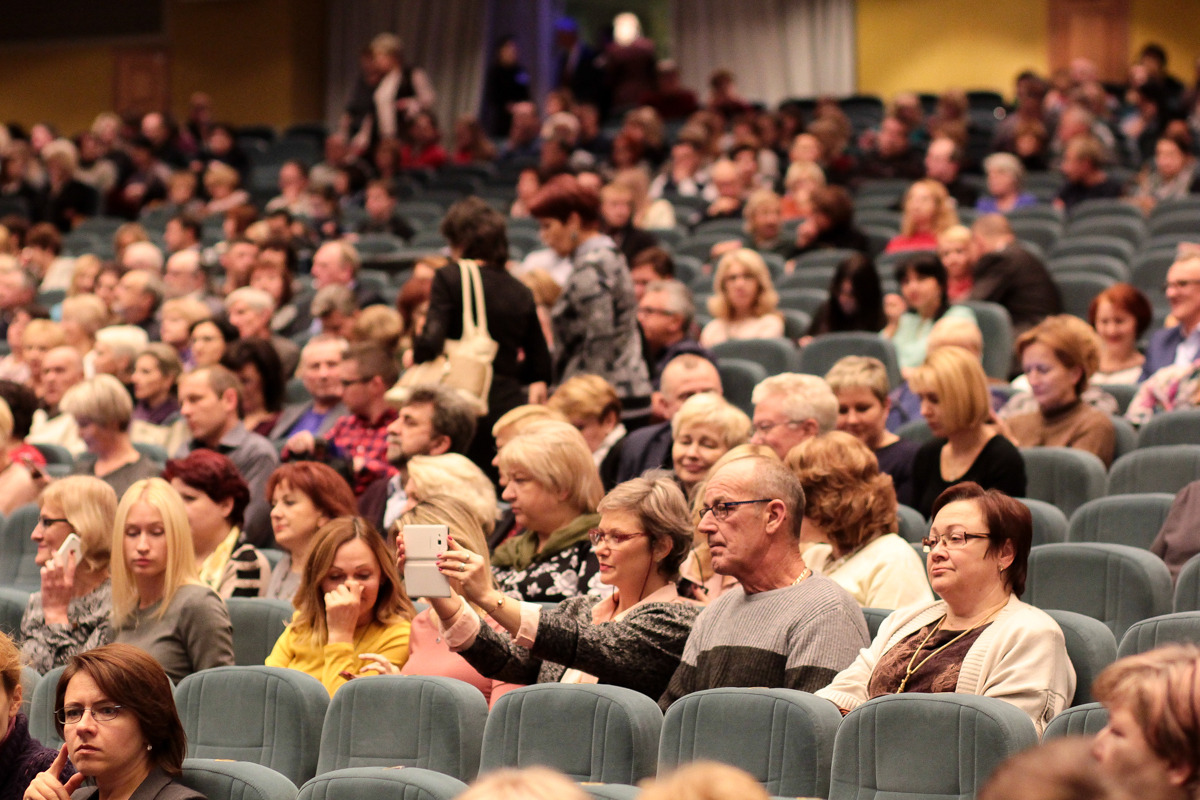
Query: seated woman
451, 473
831, 224
428, 652
216, 496
956, 251
209, 338
744, 301
155, 371
1121, 315
22, 755
764, 223
17, 483
553, 486
1005, 174
1149, 746
799, 182
850, 522
1173, 173
179, 315
928, 210
855, 299
979, 638
590, 403
257, 365
103, 410
158, 604
704, 428
634, 638
39, 337
923, 283
861, 386
71, 612
957, 405
305, 496
1059, 355
350, 601
116, 711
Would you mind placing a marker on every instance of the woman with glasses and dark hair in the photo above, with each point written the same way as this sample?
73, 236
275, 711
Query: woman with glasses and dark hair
979, 638
115, 710
632, 638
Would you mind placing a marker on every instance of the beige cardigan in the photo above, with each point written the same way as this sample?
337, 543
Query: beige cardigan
1020, 658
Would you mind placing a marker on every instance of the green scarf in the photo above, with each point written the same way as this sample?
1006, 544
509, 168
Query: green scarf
521, 551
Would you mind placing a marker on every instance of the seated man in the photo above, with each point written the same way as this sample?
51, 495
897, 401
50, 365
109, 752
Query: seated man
1178, 345
1010, 275
320, 372
1083, 167
62, 368
943, 163
783, 626
789, 408
382, 216
665, 315
138, 295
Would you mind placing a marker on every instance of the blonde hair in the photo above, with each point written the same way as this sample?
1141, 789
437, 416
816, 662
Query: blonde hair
704, 780
804, 397
190, 308
955, 234
522, 417
90, 507
957, 378
87, 311
859, 372
1075, 344
801, 170
944, 217
707, 408
102, 399
557, 458
545, 289
381, 325
454, 474
181, 556
531, 783
844, 491
756, 201
45, 332
126, 341
768, 298
587, 397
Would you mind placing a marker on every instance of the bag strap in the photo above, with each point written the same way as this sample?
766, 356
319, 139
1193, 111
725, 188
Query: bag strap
472, 283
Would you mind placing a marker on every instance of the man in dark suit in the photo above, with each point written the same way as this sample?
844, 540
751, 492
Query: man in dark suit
1010, 275
320, 364
1179, 344
337, 262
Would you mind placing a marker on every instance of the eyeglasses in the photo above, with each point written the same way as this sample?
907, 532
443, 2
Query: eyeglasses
766, 427
73, 715
721, 511
953, 539
46, 522
611, 538
1182, 284
346, 384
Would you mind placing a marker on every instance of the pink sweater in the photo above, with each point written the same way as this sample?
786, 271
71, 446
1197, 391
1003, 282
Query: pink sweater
428, 654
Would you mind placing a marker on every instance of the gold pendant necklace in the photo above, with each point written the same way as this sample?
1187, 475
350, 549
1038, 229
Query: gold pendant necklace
910, 669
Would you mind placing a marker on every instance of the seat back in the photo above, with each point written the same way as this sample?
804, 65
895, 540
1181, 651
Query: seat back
12, 609
257, 623
1166, 468
41, 710
235, 780
382, 783
1091, 647
996, 326
1187, 586
819, 355
875, 618
1130, 519
1049, 523
268, 715
1182, 626
1113, 583
912, 525
442, 730
738, 379
1124, 434
17, 551
1062, 476
931, 746
775, 355
1172, 427
1085, 720
916, 430
590, 732
785, 742
30, 678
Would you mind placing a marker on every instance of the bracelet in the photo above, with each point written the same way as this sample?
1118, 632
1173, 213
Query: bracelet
497, 607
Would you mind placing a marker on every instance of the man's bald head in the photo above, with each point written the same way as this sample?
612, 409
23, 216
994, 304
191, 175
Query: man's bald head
684, 376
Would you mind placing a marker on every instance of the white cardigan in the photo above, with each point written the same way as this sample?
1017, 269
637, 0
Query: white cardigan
887, 573
1020, 658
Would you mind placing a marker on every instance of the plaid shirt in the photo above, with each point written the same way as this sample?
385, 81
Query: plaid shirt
354, 438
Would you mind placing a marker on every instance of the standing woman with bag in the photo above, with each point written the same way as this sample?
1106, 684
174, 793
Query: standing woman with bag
477, 231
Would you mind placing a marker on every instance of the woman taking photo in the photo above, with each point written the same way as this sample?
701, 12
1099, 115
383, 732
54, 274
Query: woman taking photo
633, 638
349, 602
553, 486
71, 612
979, 638
928, 210
216, 496
1058, 356
957, 405
923, 283
116, 711
705, 428
850, 523
1121, 315
595, 318
159, 604
744, 301
305, 496
103, 410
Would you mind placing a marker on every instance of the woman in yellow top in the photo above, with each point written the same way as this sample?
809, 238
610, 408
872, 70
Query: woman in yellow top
349, 602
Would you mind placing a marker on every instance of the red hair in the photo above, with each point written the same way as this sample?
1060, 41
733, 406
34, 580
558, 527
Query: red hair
563, 196
327, 490
1124, 297
215, 475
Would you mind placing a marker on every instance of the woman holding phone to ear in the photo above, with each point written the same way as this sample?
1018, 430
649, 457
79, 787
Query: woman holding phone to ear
632, 638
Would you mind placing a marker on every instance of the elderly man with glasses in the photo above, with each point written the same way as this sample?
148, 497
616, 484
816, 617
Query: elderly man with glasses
784, 626
1178, 345
789, 408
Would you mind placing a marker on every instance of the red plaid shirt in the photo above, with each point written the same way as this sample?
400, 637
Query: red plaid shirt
362, 442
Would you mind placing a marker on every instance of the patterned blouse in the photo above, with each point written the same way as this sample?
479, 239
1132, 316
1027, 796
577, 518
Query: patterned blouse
1169, 389
938, 674
571, 572
45, 647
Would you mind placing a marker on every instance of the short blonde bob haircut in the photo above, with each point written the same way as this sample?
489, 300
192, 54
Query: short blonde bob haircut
45, 332
859, 372
586, 397
454, 474
844, 491
90, 507
391, 604
556, 457
767, 300
955, 234
713, 410
102, 400
945, 217
957, 378
181, 556
1076, 345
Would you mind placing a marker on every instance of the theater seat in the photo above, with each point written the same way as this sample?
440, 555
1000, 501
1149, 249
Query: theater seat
1091, 647
235, 780
1085, 720
1182, 626
382, 783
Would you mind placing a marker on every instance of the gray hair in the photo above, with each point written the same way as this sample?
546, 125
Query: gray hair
679, 298
256, 299
333, 298
143, 255
126, 341
804, 397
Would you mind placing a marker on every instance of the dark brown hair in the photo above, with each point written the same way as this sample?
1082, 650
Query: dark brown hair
1008, 520
563, 196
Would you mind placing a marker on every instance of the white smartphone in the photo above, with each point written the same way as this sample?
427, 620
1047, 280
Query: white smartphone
422, 543
71, 544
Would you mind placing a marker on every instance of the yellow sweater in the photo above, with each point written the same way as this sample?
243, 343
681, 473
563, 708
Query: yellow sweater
296, 650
